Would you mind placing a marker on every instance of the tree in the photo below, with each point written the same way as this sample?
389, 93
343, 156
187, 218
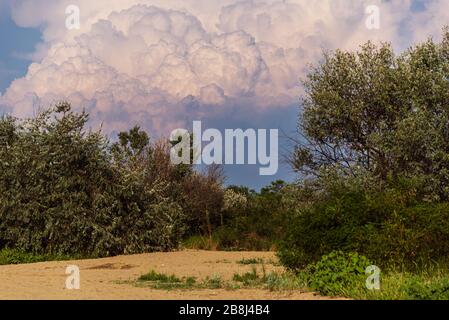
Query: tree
62, 190
376, 112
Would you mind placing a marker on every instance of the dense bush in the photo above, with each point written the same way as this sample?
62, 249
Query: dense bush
374, 147
416, 289
338, 272
389, 226
64, 190
253, 221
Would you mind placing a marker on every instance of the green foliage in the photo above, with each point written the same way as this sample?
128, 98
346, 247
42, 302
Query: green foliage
159, 277
338, 272
162, 281
65, 191
286, 282
373, 153
13, 256
379, 112
214, 282
250, 278
272, 281
416, 289
389, 226
199, 243
253, 221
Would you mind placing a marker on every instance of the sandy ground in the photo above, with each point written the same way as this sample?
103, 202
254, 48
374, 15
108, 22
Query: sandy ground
110, 278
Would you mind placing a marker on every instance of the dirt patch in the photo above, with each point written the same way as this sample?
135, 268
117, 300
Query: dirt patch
110, 278
112, 266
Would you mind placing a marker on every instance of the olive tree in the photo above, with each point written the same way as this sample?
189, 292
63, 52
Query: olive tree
373, 111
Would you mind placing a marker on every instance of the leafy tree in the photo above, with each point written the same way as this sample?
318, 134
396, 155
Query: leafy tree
62, 190
376, 112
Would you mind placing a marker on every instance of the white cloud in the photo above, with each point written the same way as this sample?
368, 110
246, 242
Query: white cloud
164, 62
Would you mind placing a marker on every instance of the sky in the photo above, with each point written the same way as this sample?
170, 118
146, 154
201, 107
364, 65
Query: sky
16, 43
162, 64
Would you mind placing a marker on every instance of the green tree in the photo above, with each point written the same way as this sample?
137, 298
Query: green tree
62, 190
376, 112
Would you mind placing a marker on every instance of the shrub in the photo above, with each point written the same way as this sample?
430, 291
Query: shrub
153, 276
338, 272
390, 226
253, 221
65, 191
416, 289
248, 278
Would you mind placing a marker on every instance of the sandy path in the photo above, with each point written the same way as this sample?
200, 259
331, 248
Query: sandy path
101, 278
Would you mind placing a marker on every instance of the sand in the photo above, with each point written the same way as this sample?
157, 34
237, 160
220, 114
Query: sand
111, 278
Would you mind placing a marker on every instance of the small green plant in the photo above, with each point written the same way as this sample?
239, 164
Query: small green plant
285, 282
162, 281
166, 282
248, 279
159, 277
272, 281
337, 273
215, 282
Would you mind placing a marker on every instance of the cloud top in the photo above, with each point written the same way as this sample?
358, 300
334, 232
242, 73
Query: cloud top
163, 63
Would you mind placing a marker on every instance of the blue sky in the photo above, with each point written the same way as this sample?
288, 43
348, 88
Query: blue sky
258, 89
16, 44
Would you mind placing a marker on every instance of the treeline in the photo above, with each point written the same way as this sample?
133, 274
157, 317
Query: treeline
68, 191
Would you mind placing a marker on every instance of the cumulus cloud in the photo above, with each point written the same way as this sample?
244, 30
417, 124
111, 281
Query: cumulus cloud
162, 63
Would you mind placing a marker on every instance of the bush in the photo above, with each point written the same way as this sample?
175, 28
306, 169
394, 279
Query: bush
416, 289
337, 273
253, 221
65, 190
390, 227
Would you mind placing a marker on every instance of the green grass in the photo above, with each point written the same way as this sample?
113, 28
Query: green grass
198, 242
161, 281
253, 279
215, 282
407, 286
272, 281
431, 283
159, 277
250, 279
14, 256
